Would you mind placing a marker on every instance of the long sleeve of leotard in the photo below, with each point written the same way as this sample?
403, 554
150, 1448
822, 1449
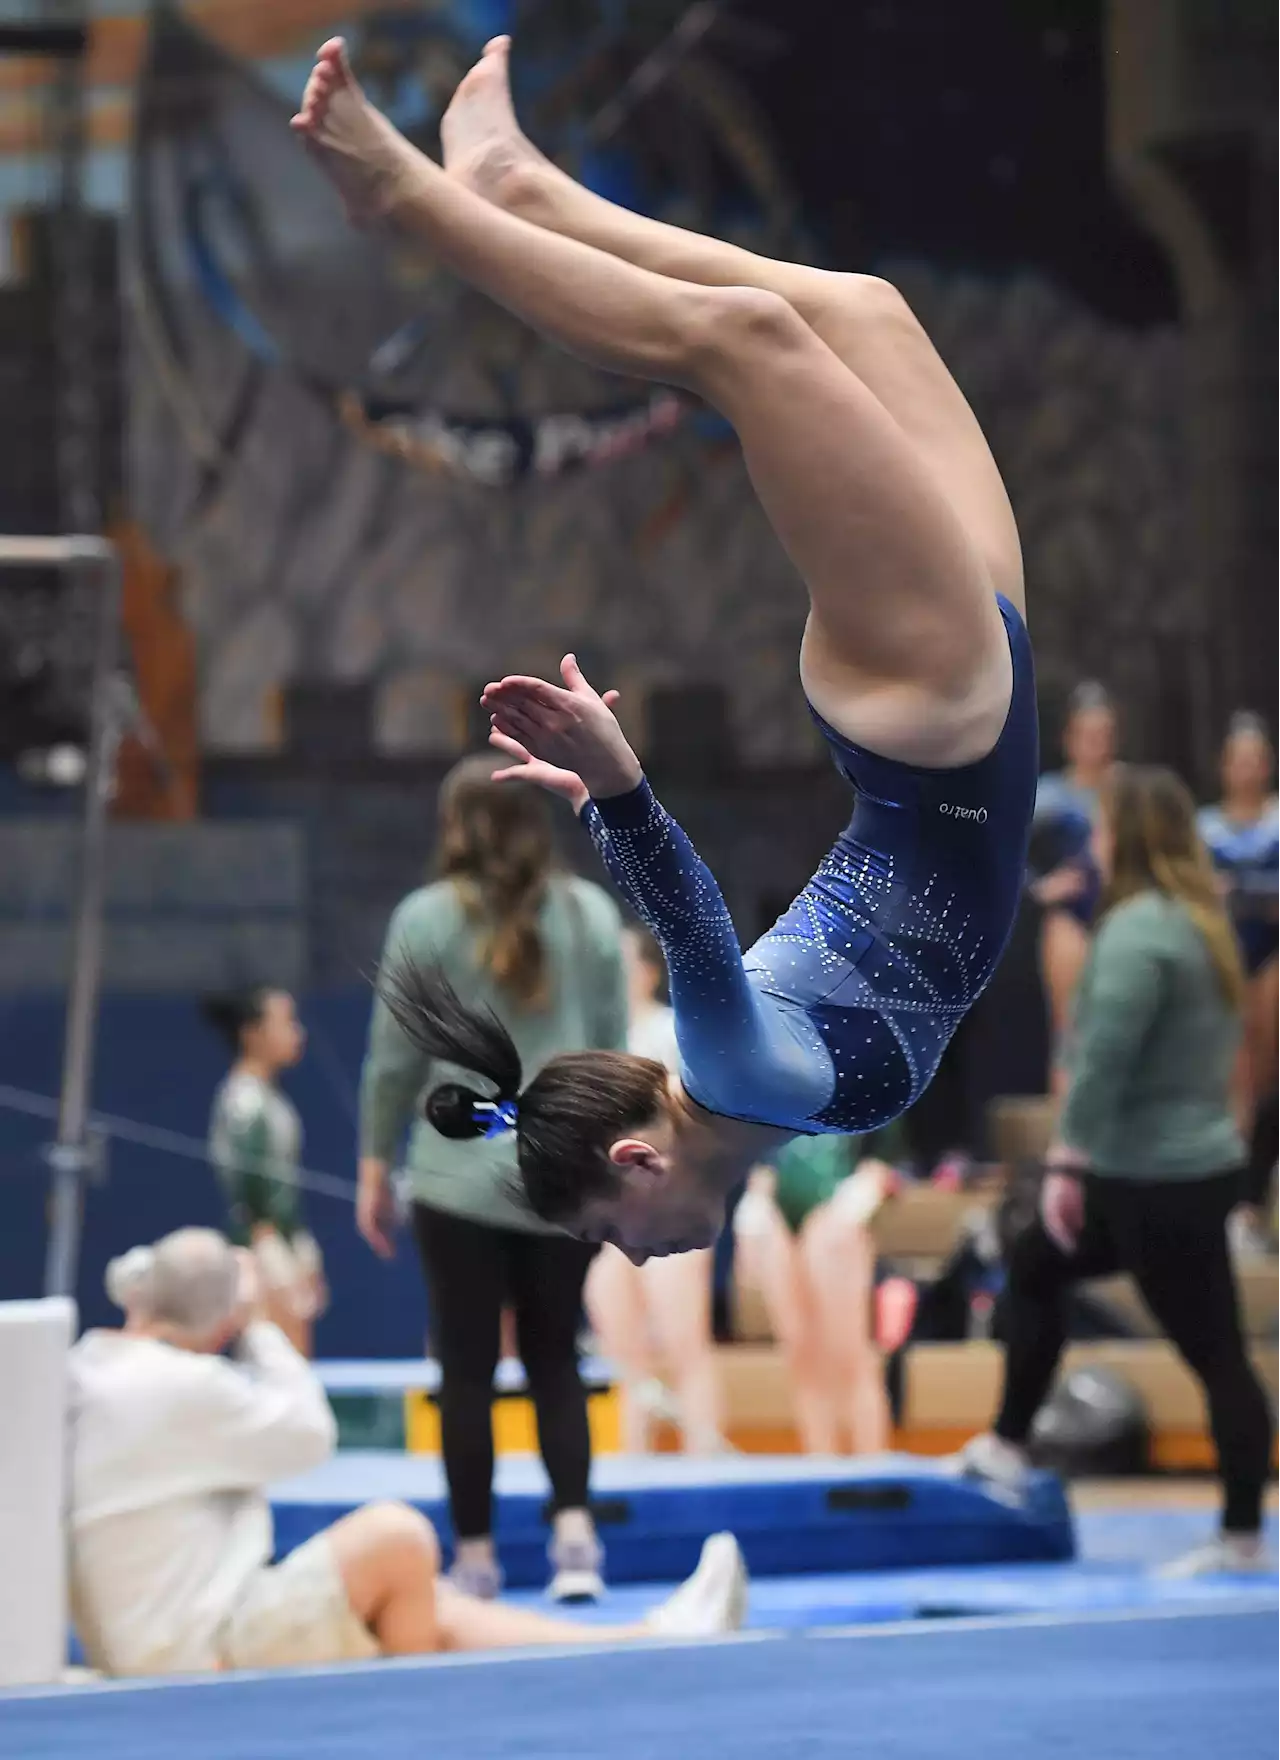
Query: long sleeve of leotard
670, 888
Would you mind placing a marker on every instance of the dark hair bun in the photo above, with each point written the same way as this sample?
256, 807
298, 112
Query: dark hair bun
232, 1011
451, 1111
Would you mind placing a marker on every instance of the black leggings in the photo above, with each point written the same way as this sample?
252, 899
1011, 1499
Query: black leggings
1170, 1235
1262, 1154
472, 1272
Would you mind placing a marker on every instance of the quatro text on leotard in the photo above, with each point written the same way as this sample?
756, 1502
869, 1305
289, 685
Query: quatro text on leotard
978, 815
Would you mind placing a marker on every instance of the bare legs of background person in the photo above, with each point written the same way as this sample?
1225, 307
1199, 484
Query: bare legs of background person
678, 1292
840, 1260
389, 1561
1251, 1231
1064, 949
769, 1257
620, 1321
654, 1323
817, 1287
1262, 1024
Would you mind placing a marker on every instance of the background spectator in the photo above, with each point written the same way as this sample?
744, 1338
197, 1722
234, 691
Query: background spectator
255, 1144
802, 1239
542, 950
1146, 1169
1067, 886
1242, 832
179, 1423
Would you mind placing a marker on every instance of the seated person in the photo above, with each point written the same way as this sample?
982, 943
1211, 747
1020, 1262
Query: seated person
178, 1424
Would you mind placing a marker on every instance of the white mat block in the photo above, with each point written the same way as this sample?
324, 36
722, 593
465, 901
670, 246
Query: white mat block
34, 1340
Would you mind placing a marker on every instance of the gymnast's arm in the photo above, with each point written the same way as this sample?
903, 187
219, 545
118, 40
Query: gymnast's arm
673, 892
567, 740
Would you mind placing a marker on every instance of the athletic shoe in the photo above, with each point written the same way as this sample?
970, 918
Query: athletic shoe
660, 1406
710, 1602
1247, 1238
1230, 1555
993, 1462
480, 1578
576, 1567
656, 1400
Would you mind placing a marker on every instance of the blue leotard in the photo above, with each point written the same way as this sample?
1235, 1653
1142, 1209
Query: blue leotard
836, 1019
1249, 855
1062, 826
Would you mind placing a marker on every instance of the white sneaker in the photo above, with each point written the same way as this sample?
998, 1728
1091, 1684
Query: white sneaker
710, 1602
992, 1460
481, 1578
656, 1400
1246, 1237
1230, 1555
577, 1567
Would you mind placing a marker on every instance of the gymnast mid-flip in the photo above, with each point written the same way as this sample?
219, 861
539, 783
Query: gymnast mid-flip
915, 662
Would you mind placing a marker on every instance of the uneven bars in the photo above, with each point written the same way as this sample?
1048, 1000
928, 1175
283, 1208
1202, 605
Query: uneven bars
55, 552
71, 1153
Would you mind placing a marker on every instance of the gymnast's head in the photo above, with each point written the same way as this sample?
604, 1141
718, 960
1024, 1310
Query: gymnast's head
608, 1146
1090, 730
1248, 760
258, 1024
1146, 841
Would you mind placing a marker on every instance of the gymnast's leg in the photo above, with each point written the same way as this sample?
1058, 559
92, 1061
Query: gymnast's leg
905, 651
861, 318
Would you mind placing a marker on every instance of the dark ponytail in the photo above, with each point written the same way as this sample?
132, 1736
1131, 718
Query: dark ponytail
566, 1120
231, 1011
430, 1013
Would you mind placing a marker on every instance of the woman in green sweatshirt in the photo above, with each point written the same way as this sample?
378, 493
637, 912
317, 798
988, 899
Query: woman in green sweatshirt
542, 950
1145, 1170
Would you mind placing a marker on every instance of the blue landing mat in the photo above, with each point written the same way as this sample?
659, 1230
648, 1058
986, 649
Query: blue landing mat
1121, 1578
1140, 1688
866, 1598
791, 1515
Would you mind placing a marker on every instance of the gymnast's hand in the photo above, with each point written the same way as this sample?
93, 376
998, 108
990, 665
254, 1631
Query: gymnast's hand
566, 740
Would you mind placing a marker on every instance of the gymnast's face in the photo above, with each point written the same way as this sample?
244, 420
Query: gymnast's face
1246, 766
277, 1037
664, 1202
1089, 739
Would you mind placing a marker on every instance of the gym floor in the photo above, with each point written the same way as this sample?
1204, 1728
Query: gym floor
1097, 1658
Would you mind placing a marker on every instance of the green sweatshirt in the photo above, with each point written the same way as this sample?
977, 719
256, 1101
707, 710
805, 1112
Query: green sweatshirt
1152, 1050
255, 1138
581, 932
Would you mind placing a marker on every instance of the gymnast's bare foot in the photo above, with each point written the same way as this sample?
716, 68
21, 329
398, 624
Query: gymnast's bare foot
484, 146
369, 162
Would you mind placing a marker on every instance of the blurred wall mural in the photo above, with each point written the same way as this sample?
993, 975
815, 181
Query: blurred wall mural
281, 364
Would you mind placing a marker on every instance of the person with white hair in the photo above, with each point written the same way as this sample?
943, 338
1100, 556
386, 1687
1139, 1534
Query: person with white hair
179, 1423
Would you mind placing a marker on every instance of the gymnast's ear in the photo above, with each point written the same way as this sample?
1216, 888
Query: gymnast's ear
639, 1160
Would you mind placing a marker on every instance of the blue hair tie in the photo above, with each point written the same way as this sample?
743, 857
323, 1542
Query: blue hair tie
501, 1114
